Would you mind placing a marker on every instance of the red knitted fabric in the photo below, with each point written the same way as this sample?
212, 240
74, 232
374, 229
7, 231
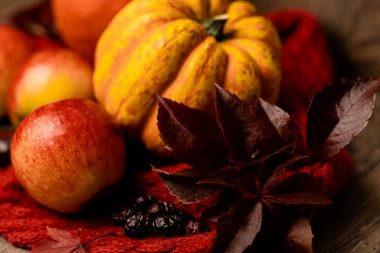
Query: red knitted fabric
307, 66
306, 62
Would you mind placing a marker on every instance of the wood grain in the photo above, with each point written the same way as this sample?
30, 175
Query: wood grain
352, 224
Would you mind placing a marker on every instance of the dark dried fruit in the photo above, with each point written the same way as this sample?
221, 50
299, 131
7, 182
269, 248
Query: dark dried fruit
121, 216
147, 216
136, 224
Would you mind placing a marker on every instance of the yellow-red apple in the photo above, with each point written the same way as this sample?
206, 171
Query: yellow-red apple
15, 47
66, 153
48, 75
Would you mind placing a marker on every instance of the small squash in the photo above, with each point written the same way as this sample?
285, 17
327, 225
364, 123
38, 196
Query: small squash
179, 49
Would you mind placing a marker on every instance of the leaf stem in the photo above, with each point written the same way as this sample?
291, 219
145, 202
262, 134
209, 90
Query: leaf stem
84, 244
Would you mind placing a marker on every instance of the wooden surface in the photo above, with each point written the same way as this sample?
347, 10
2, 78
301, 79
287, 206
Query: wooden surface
352, 224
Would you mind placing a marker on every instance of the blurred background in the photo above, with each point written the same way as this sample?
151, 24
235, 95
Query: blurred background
352, 27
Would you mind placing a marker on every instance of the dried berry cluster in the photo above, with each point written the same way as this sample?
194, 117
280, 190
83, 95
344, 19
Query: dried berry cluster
147, 216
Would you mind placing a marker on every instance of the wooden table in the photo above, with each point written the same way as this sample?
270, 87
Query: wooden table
352, 224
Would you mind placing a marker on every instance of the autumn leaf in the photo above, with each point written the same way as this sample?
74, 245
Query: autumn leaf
253, 151
246, 128
337, 114
238, 227
239, 149
294, 188
285, 127
191, 133
183, 185
63, 242
239, 180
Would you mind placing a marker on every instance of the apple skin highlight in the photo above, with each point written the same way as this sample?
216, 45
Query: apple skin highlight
48, 75
67, 152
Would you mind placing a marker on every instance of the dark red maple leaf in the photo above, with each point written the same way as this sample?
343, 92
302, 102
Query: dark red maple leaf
337, 114
254, 151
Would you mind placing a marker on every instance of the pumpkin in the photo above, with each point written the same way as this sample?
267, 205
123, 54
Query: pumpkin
179, 49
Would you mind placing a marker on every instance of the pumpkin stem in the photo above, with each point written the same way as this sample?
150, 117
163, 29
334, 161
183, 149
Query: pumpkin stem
215, 26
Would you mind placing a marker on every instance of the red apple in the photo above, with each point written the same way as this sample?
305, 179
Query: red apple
48, 75
66, 153
15, 47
